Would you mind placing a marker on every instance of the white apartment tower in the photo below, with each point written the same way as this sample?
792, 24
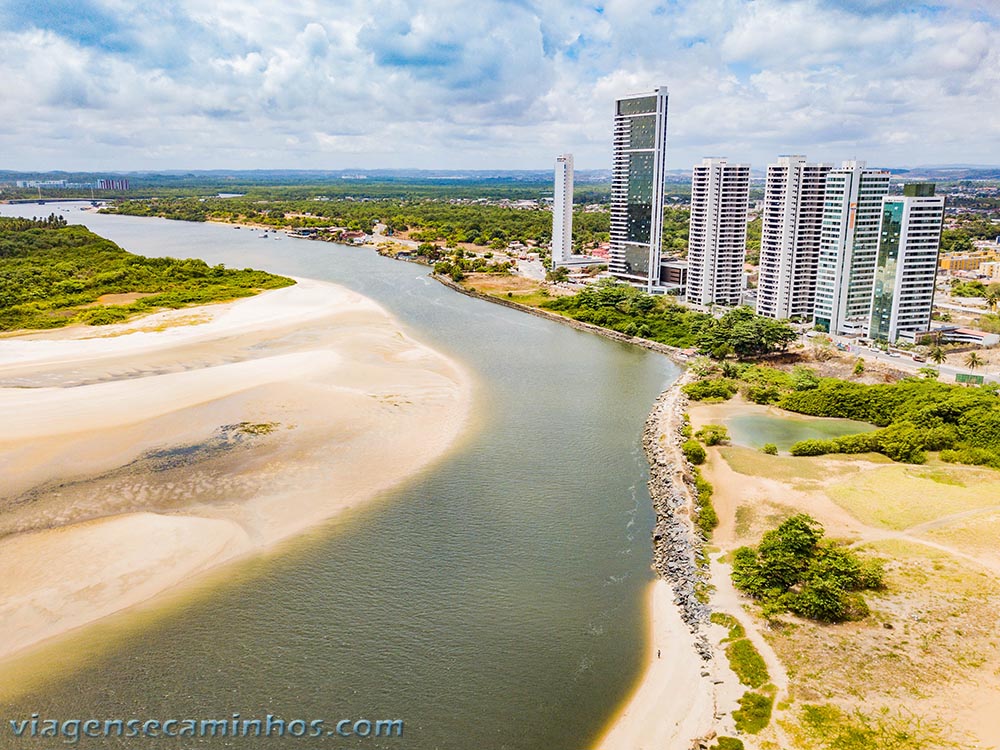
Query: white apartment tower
906, 267
640, 147
791, 225
717, 240
562, 211
852, 211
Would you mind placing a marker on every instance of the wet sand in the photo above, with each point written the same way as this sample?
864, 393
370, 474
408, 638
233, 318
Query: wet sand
135, 456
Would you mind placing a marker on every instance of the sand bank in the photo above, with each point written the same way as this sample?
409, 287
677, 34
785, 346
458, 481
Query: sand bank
138, 455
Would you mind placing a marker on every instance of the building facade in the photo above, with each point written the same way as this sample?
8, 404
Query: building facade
791, 225
640, 148
562, 210
852, 211
907, 262
717, 239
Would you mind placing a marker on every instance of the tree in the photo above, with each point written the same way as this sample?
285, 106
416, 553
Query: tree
937, 355
557, 274
974, 360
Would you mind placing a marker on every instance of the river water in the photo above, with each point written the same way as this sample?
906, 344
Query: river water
497, 600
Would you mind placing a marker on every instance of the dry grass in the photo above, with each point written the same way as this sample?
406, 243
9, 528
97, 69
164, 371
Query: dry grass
782, 468
976, 534
498, 284
898, 497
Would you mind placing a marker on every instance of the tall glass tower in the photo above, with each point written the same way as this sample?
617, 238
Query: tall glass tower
640, 149
906, 267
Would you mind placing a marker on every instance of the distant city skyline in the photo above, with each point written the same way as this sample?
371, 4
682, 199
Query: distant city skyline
101, 85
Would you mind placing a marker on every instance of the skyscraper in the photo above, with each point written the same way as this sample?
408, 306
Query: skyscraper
640, 147
906, 266
790, 237
562, 210
717, 239
848, 247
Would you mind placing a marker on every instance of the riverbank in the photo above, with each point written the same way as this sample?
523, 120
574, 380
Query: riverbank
142, 454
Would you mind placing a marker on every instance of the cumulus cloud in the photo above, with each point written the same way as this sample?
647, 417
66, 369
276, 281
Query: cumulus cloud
493, 84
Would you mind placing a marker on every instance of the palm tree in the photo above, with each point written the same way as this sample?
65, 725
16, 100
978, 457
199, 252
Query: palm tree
993, 297
937, 355
973, 361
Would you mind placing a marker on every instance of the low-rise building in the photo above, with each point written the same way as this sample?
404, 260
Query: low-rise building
970, 261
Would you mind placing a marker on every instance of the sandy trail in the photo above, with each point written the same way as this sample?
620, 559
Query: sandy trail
134, 457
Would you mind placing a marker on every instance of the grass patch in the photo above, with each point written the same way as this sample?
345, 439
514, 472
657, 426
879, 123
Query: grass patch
257, 428
727, 743
746, 662
754, 713
829, 728
728, 621
753, 463
745, 515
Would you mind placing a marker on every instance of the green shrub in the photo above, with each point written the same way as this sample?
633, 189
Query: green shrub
762, 394
694, 452
700, 390
705, 516
794, 569
713, 434
770, 449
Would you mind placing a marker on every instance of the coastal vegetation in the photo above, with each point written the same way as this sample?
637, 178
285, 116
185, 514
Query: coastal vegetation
794, 569
916, 415
53, 275
631, 311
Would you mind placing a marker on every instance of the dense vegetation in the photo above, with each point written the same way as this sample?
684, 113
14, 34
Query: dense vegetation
429, 220
975, 288
794, 570
631, 311
916, 415
51, 274
968, 227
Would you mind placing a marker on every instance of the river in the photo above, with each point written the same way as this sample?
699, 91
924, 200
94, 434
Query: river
494, 601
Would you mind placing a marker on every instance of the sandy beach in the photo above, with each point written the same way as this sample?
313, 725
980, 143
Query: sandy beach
138, 455
673, 703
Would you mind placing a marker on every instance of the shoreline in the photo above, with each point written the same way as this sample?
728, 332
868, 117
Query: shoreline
185, 448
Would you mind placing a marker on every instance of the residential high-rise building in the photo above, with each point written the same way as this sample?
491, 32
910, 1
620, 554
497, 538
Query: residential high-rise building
852, 210
791, 224
717, 239
640, 147
906, 266
562, 210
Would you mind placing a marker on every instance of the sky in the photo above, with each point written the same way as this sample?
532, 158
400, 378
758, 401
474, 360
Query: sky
491, 84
